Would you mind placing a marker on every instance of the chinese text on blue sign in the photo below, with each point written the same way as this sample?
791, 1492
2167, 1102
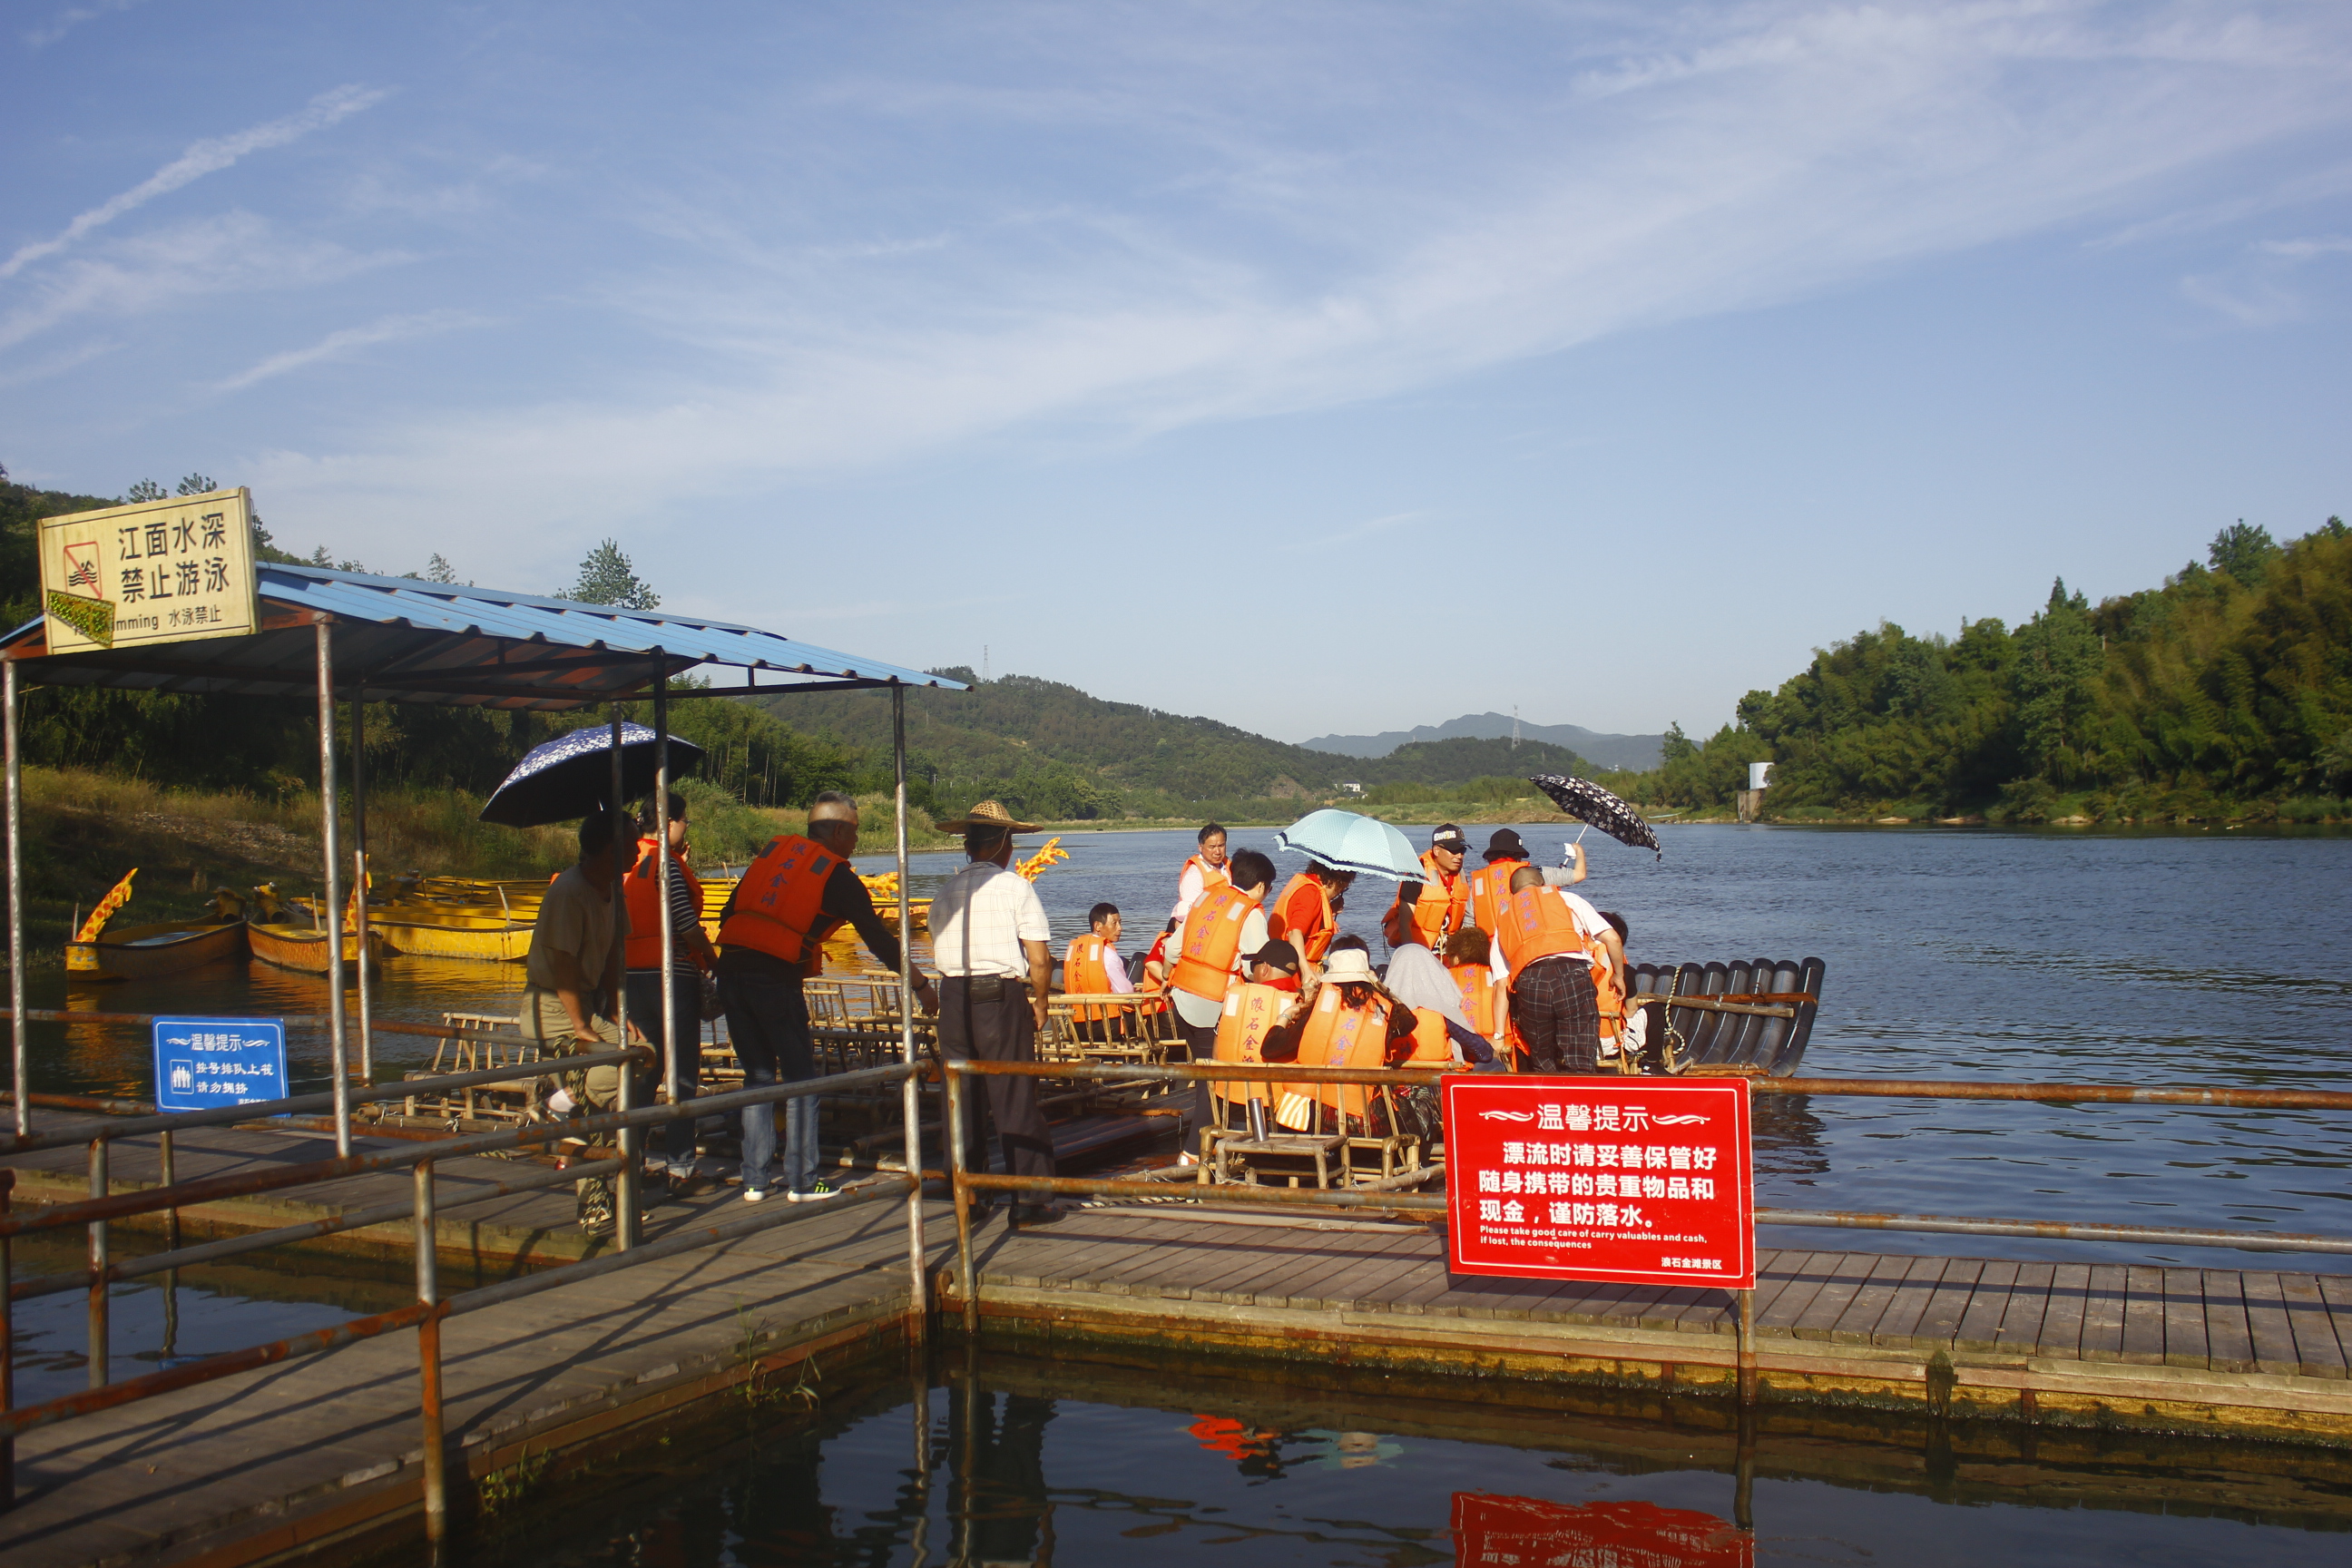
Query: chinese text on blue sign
201, 1063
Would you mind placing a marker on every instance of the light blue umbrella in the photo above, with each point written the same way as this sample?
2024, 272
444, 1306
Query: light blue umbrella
1347, 842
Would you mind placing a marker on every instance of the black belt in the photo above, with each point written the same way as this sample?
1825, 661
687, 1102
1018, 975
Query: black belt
985, 988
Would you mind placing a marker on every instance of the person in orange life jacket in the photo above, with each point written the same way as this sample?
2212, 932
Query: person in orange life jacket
1618, 1030
1202, 872
1320, 1032
987, 928
1264, 999
1429, 911
1490, 885
1222, 928
1306, 915
1544, 953
690, 955
1091, 966
770, 936
1469, 962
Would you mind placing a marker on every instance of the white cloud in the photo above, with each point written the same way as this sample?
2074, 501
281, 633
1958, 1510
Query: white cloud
73, 17
202, 158
2306, 249
339, 344
234, 252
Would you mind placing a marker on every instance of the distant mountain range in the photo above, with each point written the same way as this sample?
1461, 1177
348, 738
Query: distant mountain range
1637, 752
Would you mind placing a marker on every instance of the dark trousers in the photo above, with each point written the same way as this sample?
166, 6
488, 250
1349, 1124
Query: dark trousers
1201, 1046
645, 1013
768, 1022
1001, 1031
1553, 1004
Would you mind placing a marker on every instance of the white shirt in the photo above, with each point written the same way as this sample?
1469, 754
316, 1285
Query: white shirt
979, 917
1202, 1011
1190, 885
1588, 922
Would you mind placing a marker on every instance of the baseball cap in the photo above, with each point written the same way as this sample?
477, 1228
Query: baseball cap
1448, 836
1279, 954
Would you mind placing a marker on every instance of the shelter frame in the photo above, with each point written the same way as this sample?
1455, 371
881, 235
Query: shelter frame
441, 645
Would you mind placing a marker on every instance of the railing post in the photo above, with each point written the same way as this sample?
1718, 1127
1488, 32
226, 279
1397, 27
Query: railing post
7, 1354
171, 1244
18, 1056
435, 1468
1747, 1346
338, 1043
98, 1328
968, 1282
360, 884
910, 1099
627, 1197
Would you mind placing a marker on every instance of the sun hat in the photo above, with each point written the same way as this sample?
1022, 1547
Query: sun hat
1506, 846
984, 816
1349, 964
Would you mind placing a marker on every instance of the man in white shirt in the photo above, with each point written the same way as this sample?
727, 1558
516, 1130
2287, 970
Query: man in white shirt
1551, 998
989, 938
1198, 1013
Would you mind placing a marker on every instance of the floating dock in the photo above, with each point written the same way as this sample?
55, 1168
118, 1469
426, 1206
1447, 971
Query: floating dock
309, 1452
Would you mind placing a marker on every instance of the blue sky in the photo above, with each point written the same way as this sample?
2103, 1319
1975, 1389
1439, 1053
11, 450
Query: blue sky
1315, 367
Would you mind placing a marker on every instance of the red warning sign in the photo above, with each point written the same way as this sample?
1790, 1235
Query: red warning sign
1492, 1532
1645, 1179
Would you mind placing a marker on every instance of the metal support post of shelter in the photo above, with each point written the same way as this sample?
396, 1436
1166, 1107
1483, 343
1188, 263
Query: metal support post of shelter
624, 1188
434, 1453
910, 1092
339, 1045
18, 1053
671, 1074
360, 882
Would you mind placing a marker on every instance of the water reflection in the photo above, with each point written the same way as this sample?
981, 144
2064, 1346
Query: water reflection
1488, 1529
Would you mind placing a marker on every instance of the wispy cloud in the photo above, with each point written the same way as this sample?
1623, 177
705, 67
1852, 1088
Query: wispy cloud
73, 17
2260, 290
136, 274
338, 345
2305, 249
202, 158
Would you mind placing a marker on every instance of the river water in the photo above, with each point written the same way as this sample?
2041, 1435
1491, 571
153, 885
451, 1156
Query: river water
2159, 957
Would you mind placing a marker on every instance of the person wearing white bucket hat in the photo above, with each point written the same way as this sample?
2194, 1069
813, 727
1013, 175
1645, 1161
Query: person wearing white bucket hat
1347, 1019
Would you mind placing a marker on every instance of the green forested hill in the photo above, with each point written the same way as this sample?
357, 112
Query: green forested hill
1050, 749
2226, 691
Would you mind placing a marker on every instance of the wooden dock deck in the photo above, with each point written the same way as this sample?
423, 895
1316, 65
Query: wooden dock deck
263, 1463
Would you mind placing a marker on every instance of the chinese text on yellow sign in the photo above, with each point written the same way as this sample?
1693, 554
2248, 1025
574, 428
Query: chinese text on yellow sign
159, 572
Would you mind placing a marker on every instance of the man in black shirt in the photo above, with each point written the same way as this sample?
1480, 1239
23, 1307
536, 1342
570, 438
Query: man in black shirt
767, 1016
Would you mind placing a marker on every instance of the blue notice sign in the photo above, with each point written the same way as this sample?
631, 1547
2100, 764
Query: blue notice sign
201, 1063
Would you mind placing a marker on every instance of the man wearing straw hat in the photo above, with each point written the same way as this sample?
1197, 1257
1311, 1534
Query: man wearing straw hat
989, 938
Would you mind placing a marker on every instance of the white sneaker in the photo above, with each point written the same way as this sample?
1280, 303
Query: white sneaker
759, 1194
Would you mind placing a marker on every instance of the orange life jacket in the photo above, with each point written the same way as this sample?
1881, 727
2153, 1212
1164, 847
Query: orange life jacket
779, 902
1213, 942
1210, 876
1432, 1046
1489, 894
1251, 1010
1435, 915
1537, 924
643, 896
1338, 1035
1313, 941
1083, 973
1477, 984
1608, 990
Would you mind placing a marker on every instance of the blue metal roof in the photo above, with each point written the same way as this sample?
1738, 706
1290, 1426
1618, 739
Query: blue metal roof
402, 639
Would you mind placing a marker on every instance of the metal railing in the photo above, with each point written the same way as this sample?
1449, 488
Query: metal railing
430, 1307
966, 1182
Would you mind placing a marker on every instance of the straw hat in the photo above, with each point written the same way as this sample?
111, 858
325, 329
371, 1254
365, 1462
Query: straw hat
982, 818
1349, 964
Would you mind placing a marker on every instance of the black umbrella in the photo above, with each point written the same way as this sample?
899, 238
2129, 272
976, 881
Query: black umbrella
1588, 802
572, 776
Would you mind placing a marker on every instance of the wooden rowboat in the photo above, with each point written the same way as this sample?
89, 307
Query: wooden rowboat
486, 940
141, 953
301, 948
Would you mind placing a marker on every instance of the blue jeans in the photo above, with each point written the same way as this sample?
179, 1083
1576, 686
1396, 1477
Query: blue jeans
645, 1012
768, 1022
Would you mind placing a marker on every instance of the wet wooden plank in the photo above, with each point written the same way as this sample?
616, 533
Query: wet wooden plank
1876, 1292
2143, 1343
1377, 1284
2029, 1305
1345, 1273
1782, 1297
2266, 1323
2103, 1312
1979, 1324
2062, 1325
2335, 1289
1948, 1301
1836, 1294
2185, 1340
1914, 1291
2228, 1335
2318, 1352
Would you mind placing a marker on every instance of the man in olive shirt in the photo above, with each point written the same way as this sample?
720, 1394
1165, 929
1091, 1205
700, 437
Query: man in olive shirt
572, 979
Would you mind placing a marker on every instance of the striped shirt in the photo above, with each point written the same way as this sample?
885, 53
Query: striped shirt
683, 920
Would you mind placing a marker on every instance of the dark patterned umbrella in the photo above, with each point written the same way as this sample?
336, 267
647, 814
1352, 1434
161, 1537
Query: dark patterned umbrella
572, 776
1588, 802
